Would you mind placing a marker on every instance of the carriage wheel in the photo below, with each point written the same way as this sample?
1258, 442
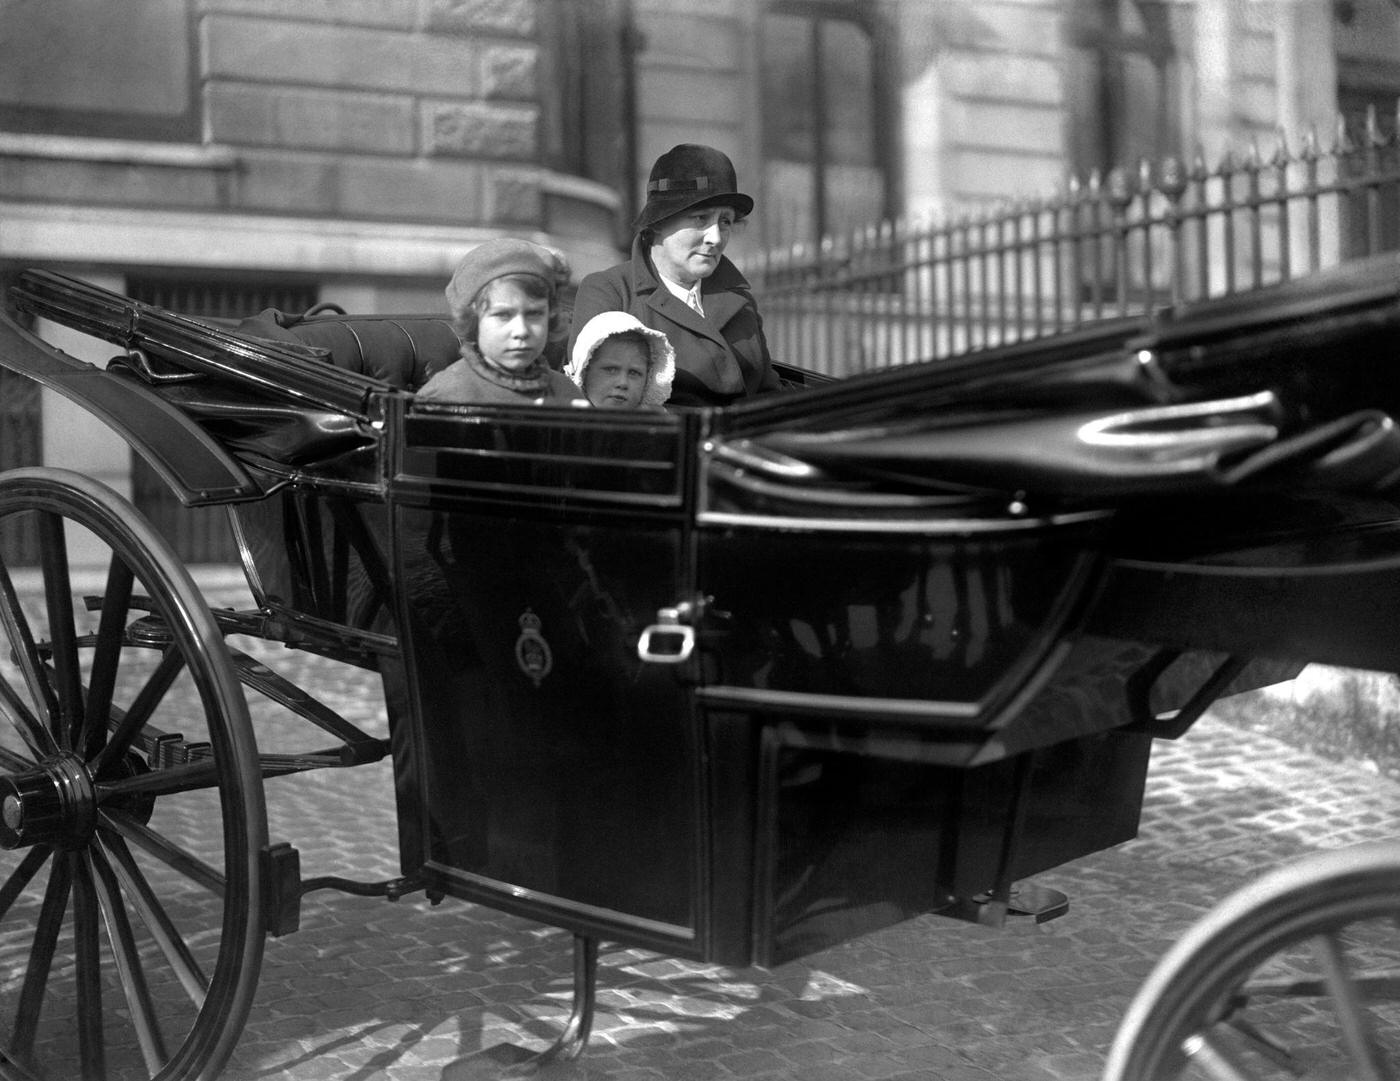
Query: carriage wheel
132, 819
1294, 976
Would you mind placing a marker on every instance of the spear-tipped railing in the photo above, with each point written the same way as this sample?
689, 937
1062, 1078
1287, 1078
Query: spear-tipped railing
1118, 245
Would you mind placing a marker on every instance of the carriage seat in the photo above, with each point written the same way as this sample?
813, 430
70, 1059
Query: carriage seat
402, 350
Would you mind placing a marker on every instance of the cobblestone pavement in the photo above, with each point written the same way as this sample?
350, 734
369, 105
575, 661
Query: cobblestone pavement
404, 991
407, 992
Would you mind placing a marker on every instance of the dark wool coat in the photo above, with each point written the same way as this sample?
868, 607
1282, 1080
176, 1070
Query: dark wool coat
720, 357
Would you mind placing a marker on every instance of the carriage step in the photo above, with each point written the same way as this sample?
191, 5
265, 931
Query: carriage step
285, 888
1025, 900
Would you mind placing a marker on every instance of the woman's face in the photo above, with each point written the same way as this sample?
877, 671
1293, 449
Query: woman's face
513, 326
687, 247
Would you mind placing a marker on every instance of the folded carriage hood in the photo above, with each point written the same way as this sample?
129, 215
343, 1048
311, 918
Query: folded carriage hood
196, 466
265, 400
1290, 386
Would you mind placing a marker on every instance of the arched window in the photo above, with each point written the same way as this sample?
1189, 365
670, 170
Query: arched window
825, 119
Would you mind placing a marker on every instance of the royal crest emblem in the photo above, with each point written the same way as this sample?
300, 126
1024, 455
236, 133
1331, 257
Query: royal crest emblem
532, 652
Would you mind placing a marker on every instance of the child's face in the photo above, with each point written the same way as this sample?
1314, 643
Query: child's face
513, 327
617, 375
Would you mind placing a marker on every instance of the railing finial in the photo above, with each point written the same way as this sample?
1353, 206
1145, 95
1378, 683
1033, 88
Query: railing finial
1311, 150
957, 277
1120, 189
1144, 175
1342, 143
1172, 182
1374, 138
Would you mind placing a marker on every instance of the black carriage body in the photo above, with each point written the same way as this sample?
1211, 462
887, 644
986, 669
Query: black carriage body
833, 757
935, 625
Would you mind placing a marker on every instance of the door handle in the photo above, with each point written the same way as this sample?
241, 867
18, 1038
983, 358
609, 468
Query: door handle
671, 639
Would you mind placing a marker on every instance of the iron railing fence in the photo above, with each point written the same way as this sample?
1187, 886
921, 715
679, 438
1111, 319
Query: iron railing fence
1125, 244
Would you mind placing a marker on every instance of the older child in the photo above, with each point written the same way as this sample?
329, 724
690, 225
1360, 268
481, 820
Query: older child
503, 297
620, 363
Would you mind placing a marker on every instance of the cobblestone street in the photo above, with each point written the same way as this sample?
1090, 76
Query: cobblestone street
407, 992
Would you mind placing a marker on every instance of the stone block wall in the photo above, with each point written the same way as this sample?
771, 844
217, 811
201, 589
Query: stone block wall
424, 110
984, 102
368, 143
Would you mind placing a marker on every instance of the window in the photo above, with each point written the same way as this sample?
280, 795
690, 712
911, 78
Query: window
586, 93
1126, 81
74, 67
825, 117
1371, 212
221, 299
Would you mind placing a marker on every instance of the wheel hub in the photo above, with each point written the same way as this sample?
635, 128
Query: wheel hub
53, 804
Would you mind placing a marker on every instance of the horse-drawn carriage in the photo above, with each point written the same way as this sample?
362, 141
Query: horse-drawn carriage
731, 685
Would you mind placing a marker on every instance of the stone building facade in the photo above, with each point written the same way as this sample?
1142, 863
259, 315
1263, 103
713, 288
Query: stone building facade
226, 153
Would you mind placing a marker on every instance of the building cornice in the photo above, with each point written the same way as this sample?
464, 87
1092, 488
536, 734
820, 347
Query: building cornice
585, 191
15, 144
124, 237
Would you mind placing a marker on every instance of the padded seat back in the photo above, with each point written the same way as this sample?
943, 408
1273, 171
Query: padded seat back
402, 350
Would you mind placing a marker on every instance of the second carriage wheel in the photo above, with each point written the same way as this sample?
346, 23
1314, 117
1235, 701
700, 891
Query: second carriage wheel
1294, 976
132, 820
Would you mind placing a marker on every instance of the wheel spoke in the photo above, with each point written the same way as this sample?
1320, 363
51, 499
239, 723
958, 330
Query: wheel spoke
141, 943
37, 737
36, 974
157, 920
1275, 1050
1366, 1055
126, 957
12, 761
63, 635
169, 853
26, 654
1213, 1058
106, 656
88, 961
34, 734
142, 706
20, 876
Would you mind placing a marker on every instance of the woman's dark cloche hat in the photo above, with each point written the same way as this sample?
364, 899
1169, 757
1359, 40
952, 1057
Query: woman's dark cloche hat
691, 175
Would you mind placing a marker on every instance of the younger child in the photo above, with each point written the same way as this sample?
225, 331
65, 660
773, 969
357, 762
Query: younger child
503, 297
620, 363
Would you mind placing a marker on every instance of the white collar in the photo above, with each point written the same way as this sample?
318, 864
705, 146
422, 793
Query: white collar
689, 296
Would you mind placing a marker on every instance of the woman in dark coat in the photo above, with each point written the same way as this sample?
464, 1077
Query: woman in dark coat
679, 281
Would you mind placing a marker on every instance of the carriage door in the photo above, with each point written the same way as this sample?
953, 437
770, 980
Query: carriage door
533, 546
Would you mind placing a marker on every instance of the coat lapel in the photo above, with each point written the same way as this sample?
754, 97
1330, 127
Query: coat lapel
667, 304
720, 306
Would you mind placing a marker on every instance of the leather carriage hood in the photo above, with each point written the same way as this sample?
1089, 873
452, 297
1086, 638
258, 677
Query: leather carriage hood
399, 351
1117, 453
403, 351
